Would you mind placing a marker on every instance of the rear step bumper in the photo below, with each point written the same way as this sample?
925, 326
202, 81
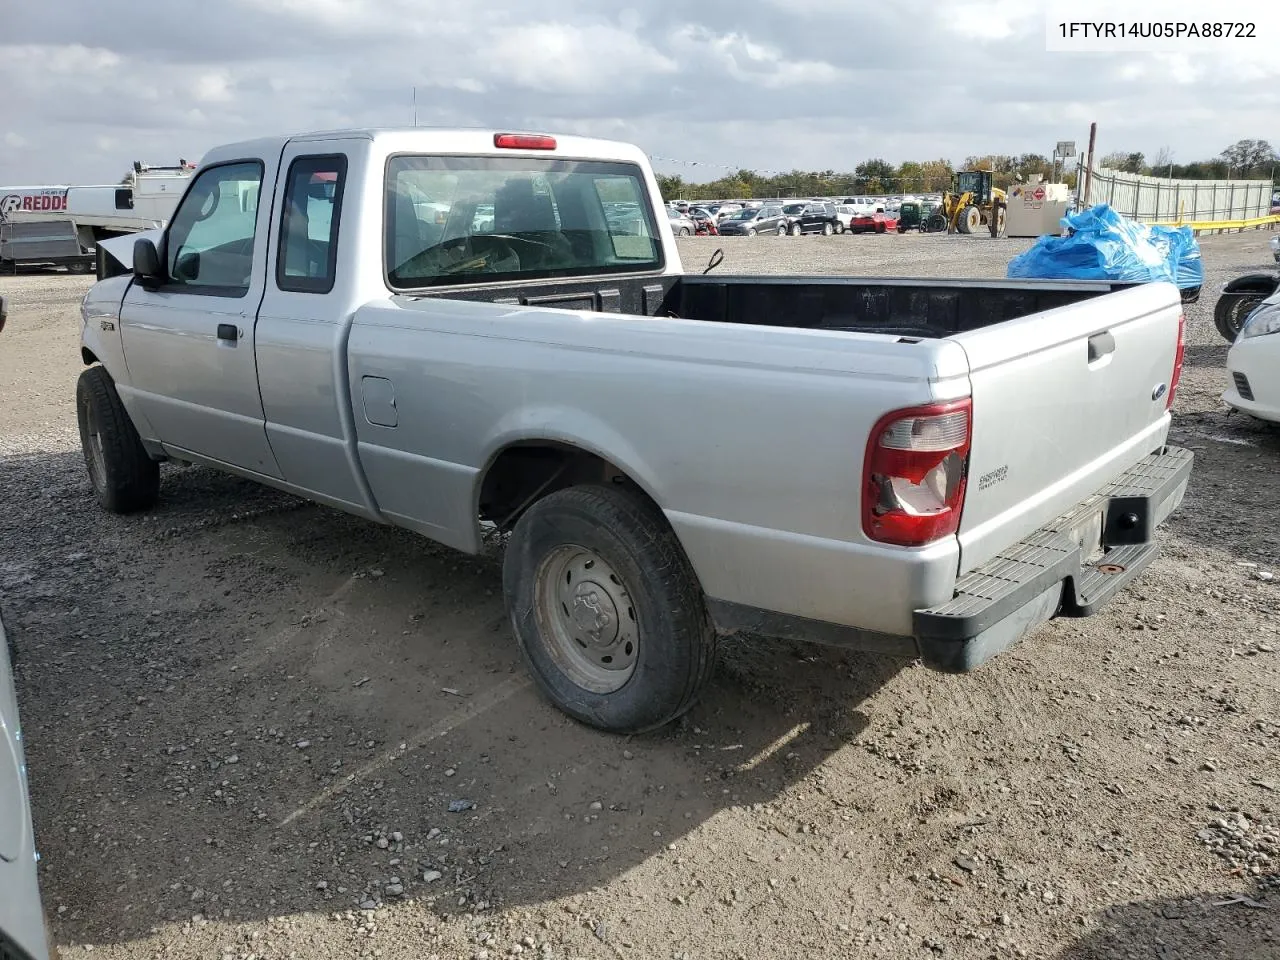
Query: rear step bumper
1057, 569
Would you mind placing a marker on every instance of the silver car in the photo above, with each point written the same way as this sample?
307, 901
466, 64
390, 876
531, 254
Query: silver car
681, 225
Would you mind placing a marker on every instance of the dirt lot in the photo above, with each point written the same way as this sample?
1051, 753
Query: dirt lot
247, 716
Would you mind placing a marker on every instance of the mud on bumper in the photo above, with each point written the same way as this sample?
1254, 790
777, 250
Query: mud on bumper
1069, 567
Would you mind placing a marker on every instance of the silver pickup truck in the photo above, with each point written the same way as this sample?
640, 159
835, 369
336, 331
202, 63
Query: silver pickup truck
442, 330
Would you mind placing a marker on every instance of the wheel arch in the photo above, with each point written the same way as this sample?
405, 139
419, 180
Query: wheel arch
523, 469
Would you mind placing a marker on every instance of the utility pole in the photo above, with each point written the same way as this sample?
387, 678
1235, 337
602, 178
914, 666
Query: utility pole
1088, 170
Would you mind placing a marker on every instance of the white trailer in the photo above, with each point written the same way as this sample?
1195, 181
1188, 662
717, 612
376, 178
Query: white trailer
144, 200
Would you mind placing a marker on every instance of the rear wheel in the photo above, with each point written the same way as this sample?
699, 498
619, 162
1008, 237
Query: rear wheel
839, 227
607, 610
751, 231
685, 231
782, 229
970, 219
828, 230
124, 477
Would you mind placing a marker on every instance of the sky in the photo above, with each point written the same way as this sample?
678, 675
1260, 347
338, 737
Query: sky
89, 86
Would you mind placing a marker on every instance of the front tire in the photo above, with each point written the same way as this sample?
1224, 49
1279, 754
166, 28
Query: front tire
827, 230
970, 220
751, 232
1230, 313
124, 477
685, 232
607, 609
795, 230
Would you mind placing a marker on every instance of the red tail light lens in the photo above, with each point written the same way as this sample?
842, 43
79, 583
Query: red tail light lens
914, 473
523, 141
1176, 376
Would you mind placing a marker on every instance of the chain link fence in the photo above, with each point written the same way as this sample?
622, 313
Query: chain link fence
1154, 199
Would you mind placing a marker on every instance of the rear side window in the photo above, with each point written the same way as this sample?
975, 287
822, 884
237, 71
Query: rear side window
308, 252
453, 220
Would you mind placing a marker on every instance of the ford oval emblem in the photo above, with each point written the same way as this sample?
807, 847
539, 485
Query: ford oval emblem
1160, 390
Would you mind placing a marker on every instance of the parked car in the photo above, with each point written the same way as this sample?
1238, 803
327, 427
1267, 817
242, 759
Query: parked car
873, 223
865, 204
750, 221
1253, 363
923, 468
811, 217
844, 215
681, 225
1275, 247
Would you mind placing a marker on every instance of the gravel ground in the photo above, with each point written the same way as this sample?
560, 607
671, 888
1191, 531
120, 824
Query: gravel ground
260, 728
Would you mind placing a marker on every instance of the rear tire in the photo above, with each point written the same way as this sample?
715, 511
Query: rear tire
828, 230
751, 232
607, 609
685, 232
782, 229
124, 477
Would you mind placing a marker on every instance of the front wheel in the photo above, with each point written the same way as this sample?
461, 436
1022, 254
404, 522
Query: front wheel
795, 230
751, 232
685, 231
1230, 313
827, 230
123, 475
607, 609
782, 229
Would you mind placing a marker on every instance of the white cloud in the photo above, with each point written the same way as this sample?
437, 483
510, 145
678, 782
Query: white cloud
572, 59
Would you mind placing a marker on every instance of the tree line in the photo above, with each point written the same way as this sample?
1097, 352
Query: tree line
1246, 159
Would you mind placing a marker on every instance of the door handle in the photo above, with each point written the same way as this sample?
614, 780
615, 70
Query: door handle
1101, 344
228, 331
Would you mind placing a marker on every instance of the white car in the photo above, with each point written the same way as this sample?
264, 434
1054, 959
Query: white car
1275, 247
1254, 364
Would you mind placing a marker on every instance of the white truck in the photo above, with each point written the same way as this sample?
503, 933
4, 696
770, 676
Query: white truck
446, 329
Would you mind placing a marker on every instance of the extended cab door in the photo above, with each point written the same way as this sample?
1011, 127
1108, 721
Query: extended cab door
189, 344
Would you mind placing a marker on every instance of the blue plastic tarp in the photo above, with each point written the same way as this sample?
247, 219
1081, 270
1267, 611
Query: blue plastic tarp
1103, 245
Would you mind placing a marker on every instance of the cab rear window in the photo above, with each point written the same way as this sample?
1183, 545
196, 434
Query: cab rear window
457, 220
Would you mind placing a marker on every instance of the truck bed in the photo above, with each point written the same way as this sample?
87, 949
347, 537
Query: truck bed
900, 307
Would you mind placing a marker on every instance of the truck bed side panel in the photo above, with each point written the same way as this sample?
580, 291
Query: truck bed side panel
750, 439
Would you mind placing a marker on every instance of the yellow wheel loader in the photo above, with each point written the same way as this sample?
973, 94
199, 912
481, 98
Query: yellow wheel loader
973, 201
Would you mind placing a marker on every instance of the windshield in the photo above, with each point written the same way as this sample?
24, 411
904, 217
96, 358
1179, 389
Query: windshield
468, 219
793, 208
744, 215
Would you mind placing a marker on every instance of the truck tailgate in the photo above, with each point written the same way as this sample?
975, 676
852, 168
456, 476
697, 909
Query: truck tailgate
1063, 401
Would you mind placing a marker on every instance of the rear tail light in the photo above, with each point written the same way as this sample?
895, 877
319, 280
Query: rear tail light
524, 141
914, 473
1178, 355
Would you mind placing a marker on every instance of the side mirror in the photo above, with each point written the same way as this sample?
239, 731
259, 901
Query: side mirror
146, 265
